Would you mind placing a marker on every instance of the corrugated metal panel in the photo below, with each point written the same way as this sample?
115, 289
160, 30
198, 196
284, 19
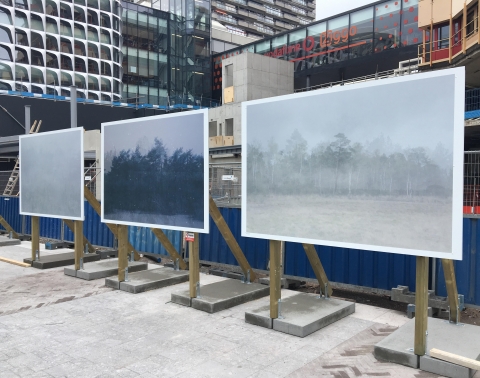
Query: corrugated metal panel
9, 207
143, 239
214, 248
467, 271
354, 267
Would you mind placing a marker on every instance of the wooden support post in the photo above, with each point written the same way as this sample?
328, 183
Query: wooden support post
421, 306
35, 237
163, 239
318, 269
452, 292
194, 264
90, 197
275, 277
230, 239
71, 226
7, 227
78, 242
123, 251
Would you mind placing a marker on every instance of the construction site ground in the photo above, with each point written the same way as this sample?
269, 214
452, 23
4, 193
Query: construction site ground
52, 325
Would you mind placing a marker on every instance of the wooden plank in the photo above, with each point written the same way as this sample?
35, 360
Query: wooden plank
421, 306
455, 359
230, 239
70, 225
7, 227
123, 251
78, 241
452, 292
15, 262
318, 269
194, 264
35, 236
90, 197
163, 239
275, 277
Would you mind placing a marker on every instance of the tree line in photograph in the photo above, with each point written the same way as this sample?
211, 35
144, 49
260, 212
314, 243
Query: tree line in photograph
155, 182
341, 167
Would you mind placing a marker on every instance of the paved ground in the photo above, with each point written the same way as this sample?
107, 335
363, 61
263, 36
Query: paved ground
82, 329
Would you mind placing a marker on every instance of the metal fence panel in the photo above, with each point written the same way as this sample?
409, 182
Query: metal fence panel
214, 248
143, 240
9, 209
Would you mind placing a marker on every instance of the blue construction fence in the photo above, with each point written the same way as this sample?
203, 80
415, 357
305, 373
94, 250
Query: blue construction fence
354, 267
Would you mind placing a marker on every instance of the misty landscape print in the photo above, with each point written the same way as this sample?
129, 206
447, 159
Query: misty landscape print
342, 174
51, 174
154, 172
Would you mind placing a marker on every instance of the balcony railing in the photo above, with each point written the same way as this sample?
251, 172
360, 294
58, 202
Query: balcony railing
447, 48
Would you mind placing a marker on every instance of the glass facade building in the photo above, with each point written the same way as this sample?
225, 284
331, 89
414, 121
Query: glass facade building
383, 26
111, 50
166, 54
48, 45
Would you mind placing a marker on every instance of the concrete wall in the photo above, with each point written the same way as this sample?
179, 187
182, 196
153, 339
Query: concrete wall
225, 36
254, 77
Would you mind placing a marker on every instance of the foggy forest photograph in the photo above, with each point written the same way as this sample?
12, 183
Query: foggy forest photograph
348, 175
154, 172
51, 174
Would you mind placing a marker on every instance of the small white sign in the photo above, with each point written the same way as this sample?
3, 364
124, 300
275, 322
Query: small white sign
228, 178
88, 178
133, 69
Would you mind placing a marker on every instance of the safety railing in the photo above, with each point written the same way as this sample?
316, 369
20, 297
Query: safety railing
435, 50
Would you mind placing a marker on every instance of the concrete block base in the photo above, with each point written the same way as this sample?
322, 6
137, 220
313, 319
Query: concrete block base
107, 253
148, 280
221, 295
6, 241
103, 269
59, 259
462, 339
301, 314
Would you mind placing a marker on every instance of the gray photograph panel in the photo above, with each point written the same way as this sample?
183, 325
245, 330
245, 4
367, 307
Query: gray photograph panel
154, 172
369, 166
51, 175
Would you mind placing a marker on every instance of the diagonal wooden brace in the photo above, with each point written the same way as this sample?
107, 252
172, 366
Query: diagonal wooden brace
318, 269
7, 227
70, 225
452, 292
163, 239
112, 227
230, 239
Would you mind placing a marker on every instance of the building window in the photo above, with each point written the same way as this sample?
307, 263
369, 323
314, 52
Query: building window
105, 5
92, 51
92, 17
80, 65
105, 69
52, 60
22, 56
80, 48
79, 31
105, 37
92, 34
5, 35
80, 81
361, 33
105, 52
36, 6
78, 14
37, 40
51, 8
37, 22
65, 29
472, 21
105, 20
51, 43
66, 64
317, 51
5, 86
21, 20
65, 11
92, 4
66, 80
411, 34
387, 26
93, 83
93, 67
51, 77
92, 96
21, 73
5, 17
51, 25
66, 46
37, 58
106, 85
80, 2
52, 91
5, 72
37, 76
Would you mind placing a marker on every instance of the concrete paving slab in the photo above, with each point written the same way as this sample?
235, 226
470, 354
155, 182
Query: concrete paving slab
219, 296
148, 280
462, 339
302, 314
6, 241
59, 259
103, 269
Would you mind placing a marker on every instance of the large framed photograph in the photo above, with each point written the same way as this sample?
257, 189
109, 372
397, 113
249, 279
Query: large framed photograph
52, 174
155, 172
374, 166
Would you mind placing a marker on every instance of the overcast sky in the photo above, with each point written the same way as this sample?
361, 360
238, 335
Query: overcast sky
416, 113
185, 131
